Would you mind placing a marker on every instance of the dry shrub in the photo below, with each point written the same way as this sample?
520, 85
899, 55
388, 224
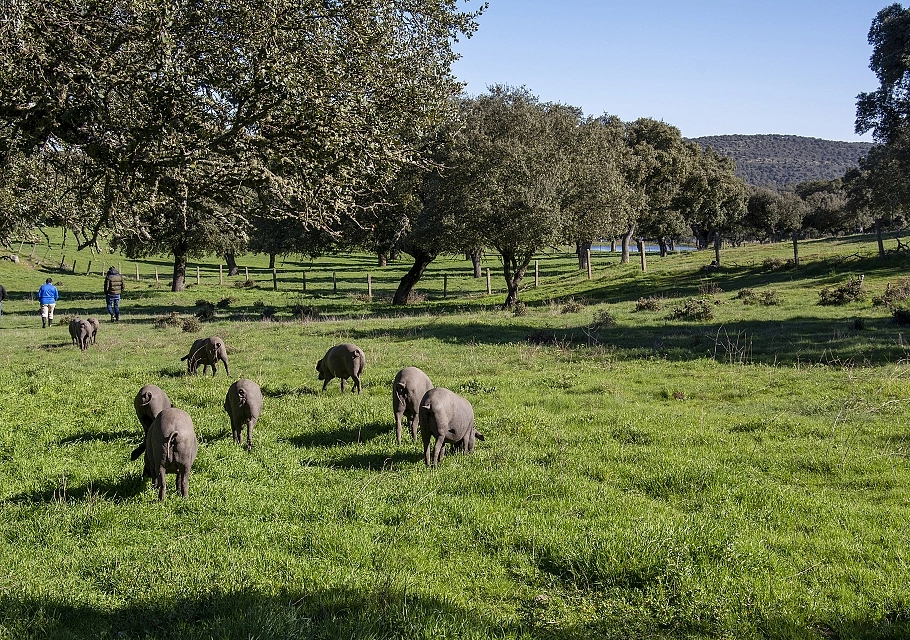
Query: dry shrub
519, 309
748, 296
205, 310
225, 302
416, 297
651, 303
850, 291
894, 293
191, 325
773, 264
708, 288
770, 298
572, 306
171, 319
700, 308
245, 284
901, 315
603, 319
302, 312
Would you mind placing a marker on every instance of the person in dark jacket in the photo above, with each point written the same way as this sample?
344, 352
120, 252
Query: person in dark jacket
47, 298
2, 298
113, 287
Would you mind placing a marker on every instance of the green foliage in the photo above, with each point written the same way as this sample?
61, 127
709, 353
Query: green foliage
571, 305
850, 291
698, 308
895, 293
649, 303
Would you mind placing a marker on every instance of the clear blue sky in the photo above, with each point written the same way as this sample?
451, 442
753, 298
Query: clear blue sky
708, 67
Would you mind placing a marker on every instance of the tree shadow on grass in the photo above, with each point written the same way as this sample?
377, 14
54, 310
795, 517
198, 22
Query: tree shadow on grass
120, 491
283, 390
373, 461
339, 612
89, 436
342, 437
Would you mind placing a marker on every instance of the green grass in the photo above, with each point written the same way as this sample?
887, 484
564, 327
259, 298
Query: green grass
741, 477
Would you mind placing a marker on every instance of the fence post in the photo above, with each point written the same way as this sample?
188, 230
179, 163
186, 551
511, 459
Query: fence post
89, 269
156, 274
304, 281
489, 288
246, 270
32, 255
641, 250
334, 283
588, 256
369, 285
137, 272
536, 274
20, 246
220, 275
62, 262
274, 279
197, 274
74, 266
445, 285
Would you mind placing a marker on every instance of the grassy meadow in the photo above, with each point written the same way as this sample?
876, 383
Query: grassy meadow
743, 476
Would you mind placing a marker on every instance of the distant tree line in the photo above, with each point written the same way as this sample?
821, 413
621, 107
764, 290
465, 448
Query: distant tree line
308, 127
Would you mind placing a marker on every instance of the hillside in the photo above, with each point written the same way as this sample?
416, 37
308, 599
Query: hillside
779, 160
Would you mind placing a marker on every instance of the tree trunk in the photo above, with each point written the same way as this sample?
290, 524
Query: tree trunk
381, 260
717, 248
514, 271
626, 238
612, 245
271, 261
411, 278
795, 249
231, 260
581, 249
672, 244
178, 282
878, 236
662, 243
476, 256
643, 254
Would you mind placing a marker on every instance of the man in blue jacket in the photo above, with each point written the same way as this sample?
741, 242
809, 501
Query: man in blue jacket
47, 298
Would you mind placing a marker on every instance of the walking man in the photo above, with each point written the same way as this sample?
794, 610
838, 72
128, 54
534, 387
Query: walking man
113, 287
47, 298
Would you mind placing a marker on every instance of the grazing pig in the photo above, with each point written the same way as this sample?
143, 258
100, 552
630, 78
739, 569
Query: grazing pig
170, 447
408, 389
207, 352
94, 324
450, 418
243, 404
149, 402
74, 329
342, 361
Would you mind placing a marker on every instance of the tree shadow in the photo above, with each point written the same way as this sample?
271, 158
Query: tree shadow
342, 437
120, 491
283, 390
87, 436
373, 461
171, 372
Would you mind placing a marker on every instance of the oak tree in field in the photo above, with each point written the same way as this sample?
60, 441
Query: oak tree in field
180, 108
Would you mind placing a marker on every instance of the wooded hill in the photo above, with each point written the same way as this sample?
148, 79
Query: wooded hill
779, 160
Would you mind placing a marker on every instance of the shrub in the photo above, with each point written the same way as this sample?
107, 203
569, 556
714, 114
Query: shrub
850, 291
268, 313
245, 284
205, 310
415, 297
748, 296
541, 337
519, 309
700, 308
602, 320
894, 294
772, 264
708, 288
171, 319
901, 315
770, 298
651, 303
191, 325
225, 302
572, 306
302, 312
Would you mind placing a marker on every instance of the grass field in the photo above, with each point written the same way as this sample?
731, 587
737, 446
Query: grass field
744, 476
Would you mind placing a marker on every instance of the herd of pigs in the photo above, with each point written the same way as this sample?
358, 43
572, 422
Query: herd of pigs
170, 443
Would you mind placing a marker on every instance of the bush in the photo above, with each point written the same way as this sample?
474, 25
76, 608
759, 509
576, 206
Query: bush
301, 312
268, 313
171, 319
748, 296
205, 310
851, 291
651, 303
245, 284
225, 302
901, 315
770, 298
899, 292
772, 264
708, 288
519, 309
572, 306
603, 319
191, 325
700, 308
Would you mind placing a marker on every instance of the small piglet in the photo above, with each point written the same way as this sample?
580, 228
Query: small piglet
207, 352
243, 404
95, 325
149, 402
408, 389
170, 447
450, 418
342, 361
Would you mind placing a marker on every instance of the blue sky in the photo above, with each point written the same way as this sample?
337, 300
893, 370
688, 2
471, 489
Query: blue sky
708, 67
